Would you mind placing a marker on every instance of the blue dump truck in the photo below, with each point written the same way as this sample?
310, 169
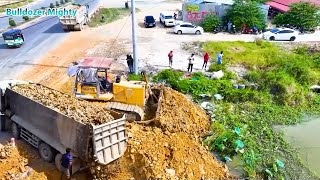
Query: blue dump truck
13, 38
51, 132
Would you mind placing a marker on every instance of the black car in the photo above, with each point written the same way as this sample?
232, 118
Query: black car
149, 21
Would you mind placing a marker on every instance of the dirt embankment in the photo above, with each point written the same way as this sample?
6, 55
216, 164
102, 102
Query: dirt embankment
171, 150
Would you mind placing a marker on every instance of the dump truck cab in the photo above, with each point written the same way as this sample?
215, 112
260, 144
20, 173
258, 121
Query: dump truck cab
13, 38
92, 82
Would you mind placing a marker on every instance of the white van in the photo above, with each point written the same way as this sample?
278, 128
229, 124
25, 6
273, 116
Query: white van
167, 19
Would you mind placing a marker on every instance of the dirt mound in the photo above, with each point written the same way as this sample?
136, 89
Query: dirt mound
176, 113
78, 110
152, 154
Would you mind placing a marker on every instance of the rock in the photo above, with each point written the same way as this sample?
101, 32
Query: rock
3, 155
171, 172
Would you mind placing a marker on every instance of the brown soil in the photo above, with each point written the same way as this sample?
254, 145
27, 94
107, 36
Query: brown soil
154, 154
78, 110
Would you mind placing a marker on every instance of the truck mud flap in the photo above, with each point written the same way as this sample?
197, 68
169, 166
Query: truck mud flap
109, 141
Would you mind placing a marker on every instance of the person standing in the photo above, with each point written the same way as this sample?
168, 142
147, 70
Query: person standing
66, 163
191, 60
205, 60
219, 58
170, 56
130, 63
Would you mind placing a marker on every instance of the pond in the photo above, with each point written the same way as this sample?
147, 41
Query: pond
305, 138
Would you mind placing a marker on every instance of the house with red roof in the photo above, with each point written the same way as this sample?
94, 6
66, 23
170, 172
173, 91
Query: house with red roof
283, 5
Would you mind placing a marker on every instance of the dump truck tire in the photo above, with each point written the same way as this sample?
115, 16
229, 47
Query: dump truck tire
46, 152
57, 161
15, 130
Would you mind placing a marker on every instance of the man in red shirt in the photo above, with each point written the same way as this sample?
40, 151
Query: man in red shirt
205, 60
170, 56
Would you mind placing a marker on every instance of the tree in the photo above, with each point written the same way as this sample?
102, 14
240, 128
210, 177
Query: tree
57, 3
301, 14
12, 22
26, 18
66, 1
61, 2
248, 13
209, 22
51, 5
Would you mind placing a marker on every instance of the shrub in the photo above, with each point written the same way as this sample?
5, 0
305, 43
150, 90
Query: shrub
26, 18
66, 1
51, 5
12, 22
210, 22
61, 1
57, 3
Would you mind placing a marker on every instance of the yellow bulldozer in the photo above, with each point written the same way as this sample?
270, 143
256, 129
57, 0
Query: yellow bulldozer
92, 82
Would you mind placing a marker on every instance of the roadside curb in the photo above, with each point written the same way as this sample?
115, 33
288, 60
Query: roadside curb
25, 25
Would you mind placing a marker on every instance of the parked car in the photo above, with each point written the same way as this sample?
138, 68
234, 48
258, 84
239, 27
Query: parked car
167, 19
282, 34
149, 21
188, 28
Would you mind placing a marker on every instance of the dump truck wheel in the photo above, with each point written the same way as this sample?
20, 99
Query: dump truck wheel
46, 152
57, 161
15, 130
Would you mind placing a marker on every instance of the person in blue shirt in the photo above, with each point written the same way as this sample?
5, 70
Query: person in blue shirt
66, 163
219, 58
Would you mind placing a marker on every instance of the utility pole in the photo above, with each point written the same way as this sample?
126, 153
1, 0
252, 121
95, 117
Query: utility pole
134, 37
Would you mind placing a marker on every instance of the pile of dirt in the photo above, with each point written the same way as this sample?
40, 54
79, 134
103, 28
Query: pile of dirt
153, 154
176, 113
11, 164
78, 110
170, 150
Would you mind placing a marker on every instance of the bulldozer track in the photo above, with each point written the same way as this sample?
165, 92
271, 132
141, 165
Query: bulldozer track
127, 108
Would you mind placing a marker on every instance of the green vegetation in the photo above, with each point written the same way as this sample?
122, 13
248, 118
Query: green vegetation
240, 12
210, 22
51, 5
133, 77
26, 18
108, 15
301, 14
246, 117
12, 22
57, 4
62, 2
15, 5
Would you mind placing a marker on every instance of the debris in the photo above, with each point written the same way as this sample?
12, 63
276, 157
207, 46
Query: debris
78, 110
217, 75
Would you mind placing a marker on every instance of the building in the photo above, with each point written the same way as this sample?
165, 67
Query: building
194, 10
282, 6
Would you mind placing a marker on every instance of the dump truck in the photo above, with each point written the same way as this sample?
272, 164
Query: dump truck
78, 21
51, 132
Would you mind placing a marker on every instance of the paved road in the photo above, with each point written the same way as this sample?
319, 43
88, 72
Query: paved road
4, 20
40, 38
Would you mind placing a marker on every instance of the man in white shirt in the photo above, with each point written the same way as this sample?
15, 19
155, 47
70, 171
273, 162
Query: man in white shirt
191, 60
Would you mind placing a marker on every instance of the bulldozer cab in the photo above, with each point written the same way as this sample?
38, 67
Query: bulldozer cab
92, 81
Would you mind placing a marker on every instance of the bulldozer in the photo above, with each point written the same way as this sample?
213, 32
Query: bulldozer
92, 82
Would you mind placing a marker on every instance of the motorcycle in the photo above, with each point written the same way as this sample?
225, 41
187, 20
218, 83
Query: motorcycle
218, 29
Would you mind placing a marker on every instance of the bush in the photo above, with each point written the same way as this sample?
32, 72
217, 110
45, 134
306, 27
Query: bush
61, 1
66, 1
26, 18
210, 22
12, 22
51, 5
240, 12
57, 3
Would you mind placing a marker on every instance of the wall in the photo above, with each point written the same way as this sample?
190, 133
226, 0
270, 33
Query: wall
195, 13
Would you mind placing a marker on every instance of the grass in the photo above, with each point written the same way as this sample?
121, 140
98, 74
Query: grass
15, 5
109, 14
283, 98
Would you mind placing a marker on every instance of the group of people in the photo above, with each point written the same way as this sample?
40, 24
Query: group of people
191, 60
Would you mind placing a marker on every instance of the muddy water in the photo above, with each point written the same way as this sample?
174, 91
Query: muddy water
306, 138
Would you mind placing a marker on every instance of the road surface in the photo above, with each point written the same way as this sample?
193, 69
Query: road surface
39, 39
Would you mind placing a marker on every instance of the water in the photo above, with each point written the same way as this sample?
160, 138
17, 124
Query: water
304, 137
